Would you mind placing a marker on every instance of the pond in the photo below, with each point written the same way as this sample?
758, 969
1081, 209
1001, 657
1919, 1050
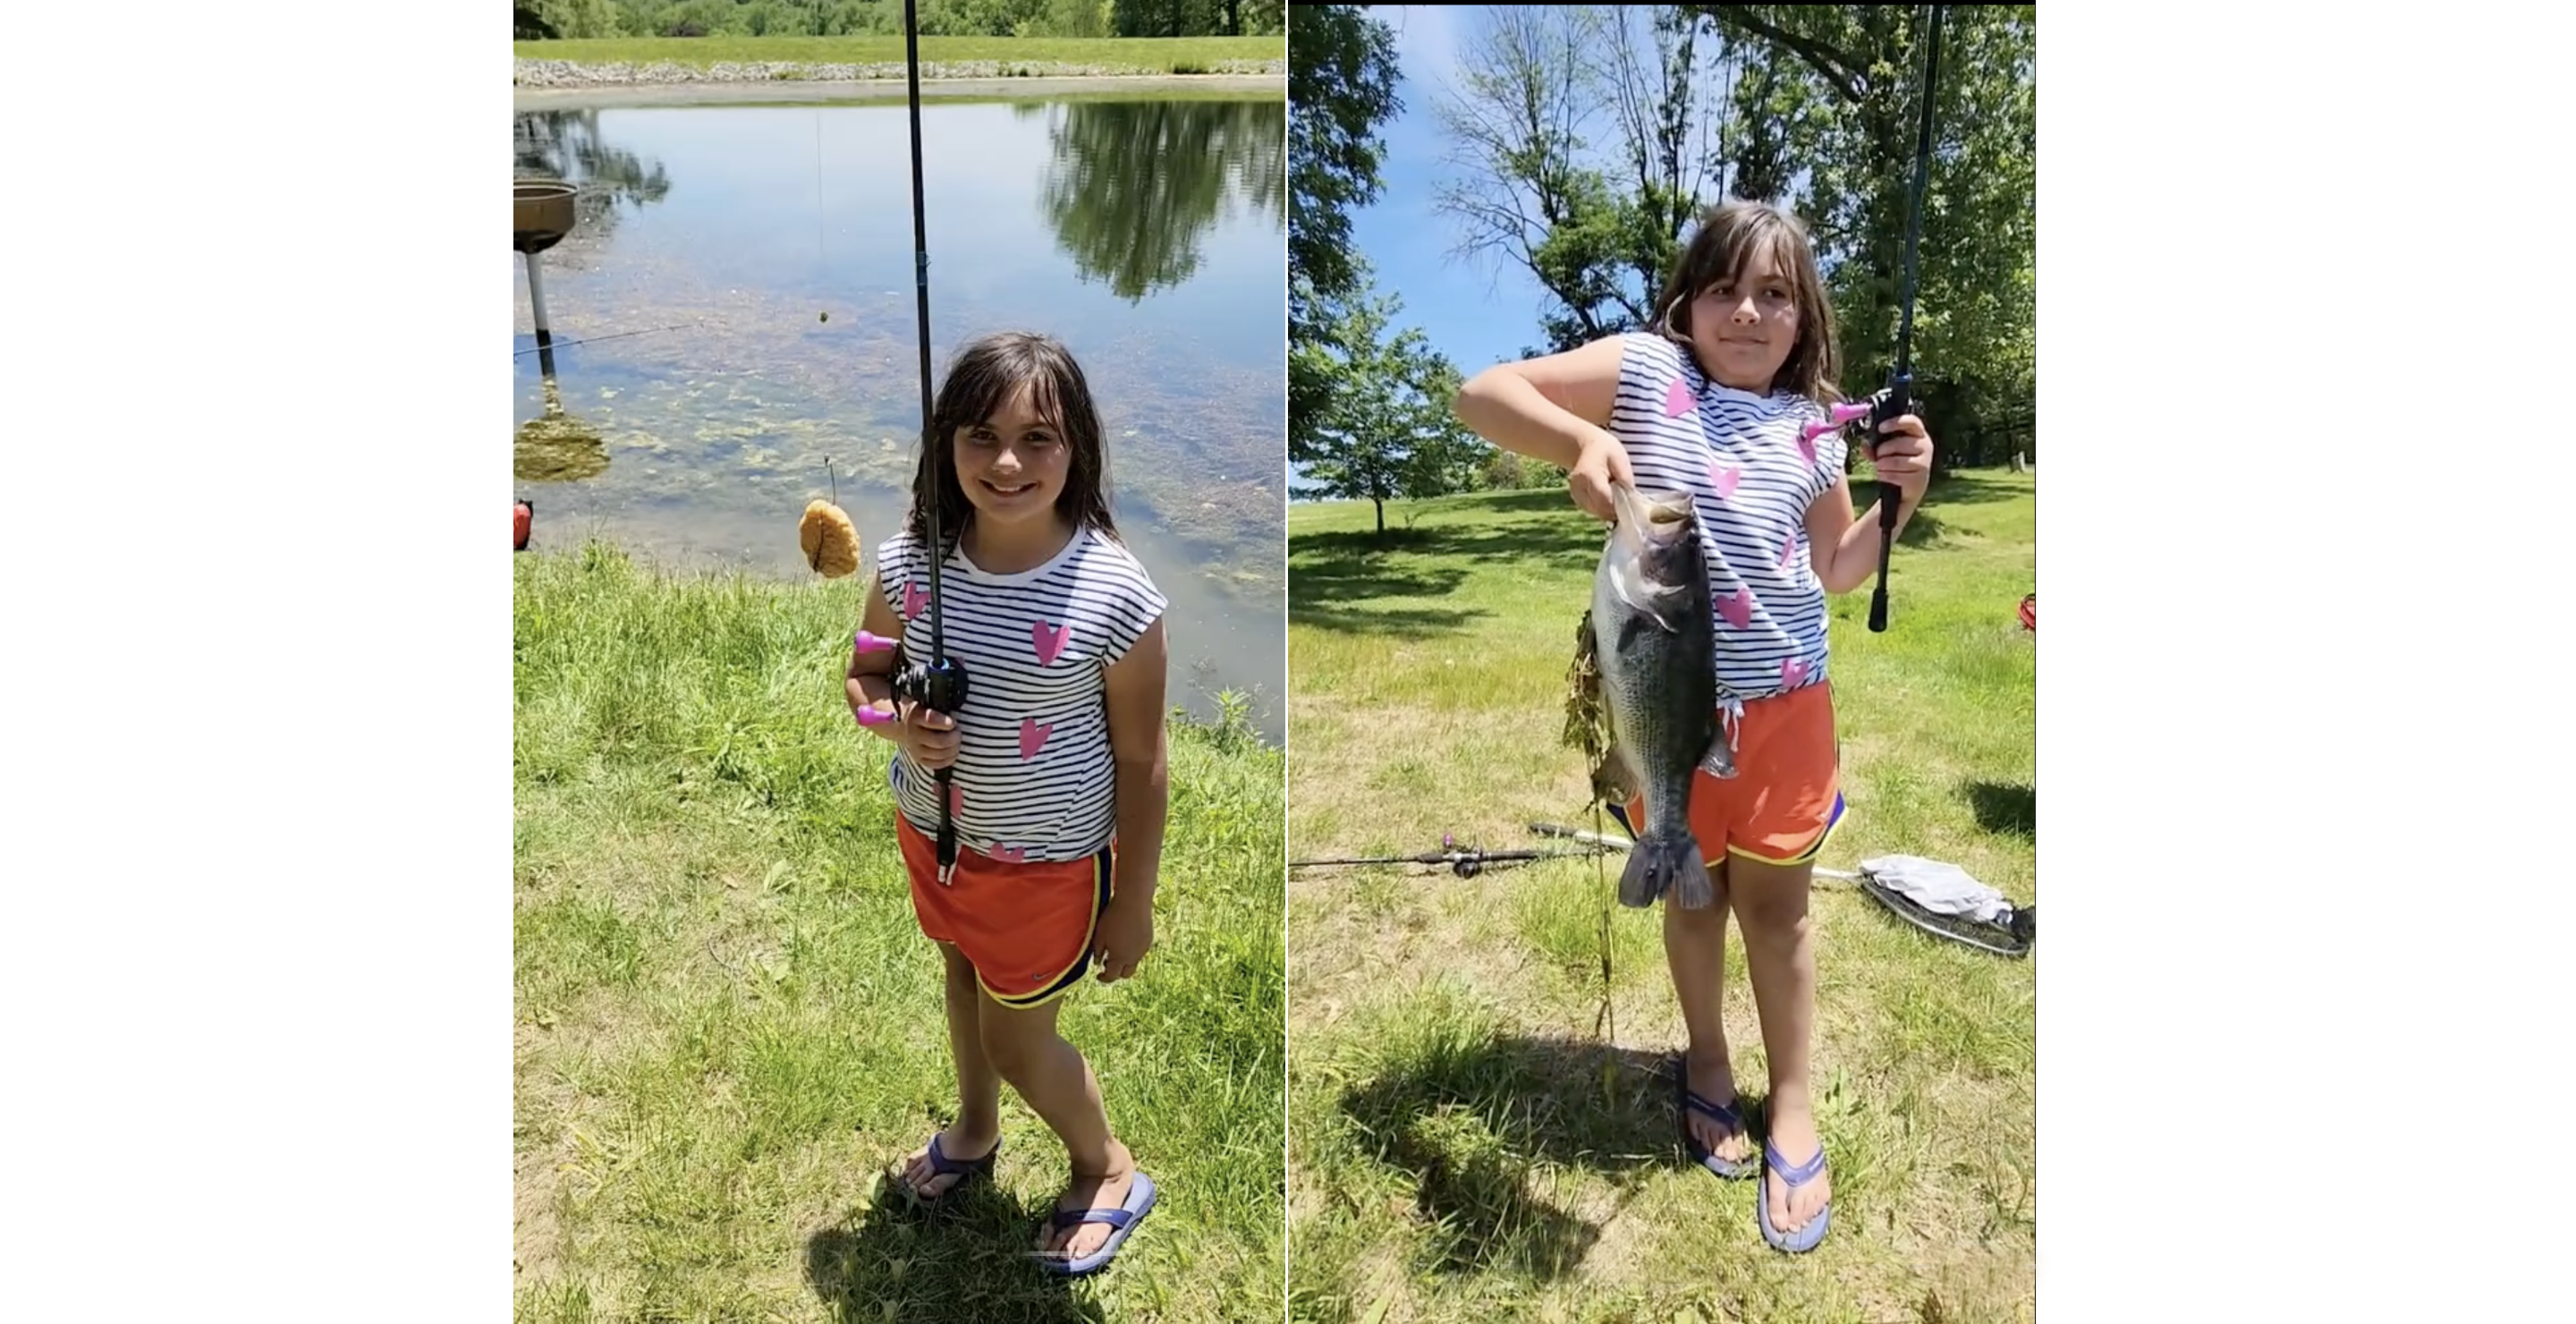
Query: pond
735, 332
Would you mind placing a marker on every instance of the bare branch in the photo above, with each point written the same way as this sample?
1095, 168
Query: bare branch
1843, 73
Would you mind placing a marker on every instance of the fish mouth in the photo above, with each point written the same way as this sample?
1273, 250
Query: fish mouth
1650, 515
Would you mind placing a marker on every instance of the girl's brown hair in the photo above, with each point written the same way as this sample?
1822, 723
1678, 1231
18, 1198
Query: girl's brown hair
1729, 237
986, 373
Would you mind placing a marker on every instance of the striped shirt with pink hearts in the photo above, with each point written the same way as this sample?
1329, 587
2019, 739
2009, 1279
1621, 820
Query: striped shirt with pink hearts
1034, 777
1751, 479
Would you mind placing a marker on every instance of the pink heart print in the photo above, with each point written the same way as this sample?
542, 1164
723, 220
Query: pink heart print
1737, 610
1050, 642
1788, 549
1677, 399
913, 601
1011, 854
1792, 670
1033, 736
1807, 448
956, 800
1724, 477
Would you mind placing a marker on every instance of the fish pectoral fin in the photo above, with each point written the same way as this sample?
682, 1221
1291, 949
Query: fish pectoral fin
1616, 779
1719, 760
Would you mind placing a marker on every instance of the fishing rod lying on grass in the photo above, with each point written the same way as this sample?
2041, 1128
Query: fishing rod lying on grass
1940, 899
1464, 863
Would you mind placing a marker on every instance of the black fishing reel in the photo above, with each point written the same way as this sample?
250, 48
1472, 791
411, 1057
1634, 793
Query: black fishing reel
939, 686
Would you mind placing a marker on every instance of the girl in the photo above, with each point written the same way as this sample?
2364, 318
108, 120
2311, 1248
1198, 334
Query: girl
1710, 402
1057, 757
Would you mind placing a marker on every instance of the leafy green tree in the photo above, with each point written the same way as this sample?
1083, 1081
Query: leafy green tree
1386, 429
1341, 87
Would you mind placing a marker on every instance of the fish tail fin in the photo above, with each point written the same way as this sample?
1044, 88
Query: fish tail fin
1661, 862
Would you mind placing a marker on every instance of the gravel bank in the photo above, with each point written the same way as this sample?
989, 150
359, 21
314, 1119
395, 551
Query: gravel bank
664, 73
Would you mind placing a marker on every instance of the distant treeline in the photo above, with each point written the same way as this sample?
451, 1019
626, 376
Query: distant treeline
538, 20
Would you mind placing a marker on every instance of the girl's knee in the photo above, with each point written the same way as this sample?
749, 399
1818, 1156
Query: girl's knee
1775, 916
1013, 1043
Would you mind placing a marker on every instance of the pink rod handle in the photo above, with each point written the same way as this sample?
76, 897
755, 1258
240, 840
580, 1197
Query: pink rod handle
872, 643
871, 717
1842, 414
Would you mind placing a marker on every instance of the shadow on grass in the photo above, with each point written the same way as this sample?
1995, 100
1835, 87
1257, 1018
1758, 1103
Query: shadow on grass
1329, 573
1958, 489
2010, 810
965, 1260
1471, 1120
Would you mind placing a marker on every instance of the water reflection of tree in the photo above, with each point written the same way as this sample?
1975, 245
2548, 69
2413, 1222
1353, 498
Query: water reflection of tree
1135, 184
566, 145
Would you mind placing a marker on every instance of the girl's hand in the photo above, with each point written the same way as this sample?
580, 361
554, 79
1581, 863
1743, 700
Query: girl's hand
1600, 465
1903, 455
930, 738
1126, 934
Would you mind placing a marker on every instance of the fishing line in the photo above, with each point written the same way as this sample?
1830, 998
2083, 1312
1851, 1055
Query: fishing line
615, 335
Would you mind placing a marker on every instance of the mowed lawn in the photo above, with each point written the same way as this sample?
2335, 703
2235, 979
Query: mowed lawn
1466, 1145
728, 1023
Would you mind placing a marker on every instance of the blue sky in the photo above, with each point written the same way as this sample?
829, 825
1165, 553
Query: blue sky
1478, 314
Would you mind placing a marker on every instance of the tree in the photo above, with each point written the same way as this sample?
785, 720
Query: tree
1593, 212
1341, 86
1386, 429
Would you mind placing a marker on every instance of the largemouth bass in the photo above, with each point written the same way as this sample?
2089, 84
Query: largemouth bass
1653, 626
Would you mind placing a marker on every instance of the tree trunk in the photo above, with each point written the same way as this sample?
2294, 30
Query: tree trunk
1381, 515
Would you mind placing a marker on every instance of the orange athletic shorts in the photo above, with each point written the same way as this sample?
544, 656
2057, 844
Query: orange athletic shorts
1786, 796
1027, 928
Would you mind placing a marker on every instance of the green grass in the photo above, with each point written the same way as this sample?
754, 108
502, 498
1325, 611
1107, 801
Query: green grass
728, 1023
1130, 55
1465, 1146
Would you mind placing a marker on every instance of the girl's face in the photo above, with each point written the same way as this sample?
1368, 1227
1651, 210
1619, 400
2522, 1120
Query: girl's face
1012, 465
1745, 330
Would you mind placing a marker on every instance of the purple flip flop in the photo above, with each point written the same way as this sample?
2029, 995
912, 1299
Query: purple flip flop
1723, 1114
1121, 1221
1805, 1238
943, 1166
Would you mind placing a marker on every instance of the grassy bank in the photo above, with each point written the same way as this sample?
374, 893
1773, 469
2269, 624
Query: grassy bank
1040, 56
1459, 1151
727, 1022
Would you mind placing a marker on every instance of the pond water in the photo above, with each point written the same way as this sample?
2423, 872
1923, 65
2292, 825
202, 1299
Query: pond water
734, 330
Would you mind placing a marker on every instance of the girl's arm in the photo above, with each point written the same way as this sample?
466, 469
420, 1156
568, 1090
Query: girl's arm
1136, 741
870, 680
1556, 408
1844, 547
1548, 408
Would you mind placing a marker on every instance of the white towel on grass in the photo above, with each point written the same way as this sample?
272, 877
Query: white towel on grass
1943, 889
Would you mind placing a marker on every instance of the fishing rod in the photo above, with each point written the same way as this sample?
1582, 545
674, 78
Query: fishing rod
935, 682
1897, 399
1464, 863
1609, 843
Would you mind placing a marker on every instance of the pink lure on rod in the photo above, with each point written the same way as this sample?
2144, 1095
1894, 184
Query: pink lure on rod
874, 643
1842, 414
